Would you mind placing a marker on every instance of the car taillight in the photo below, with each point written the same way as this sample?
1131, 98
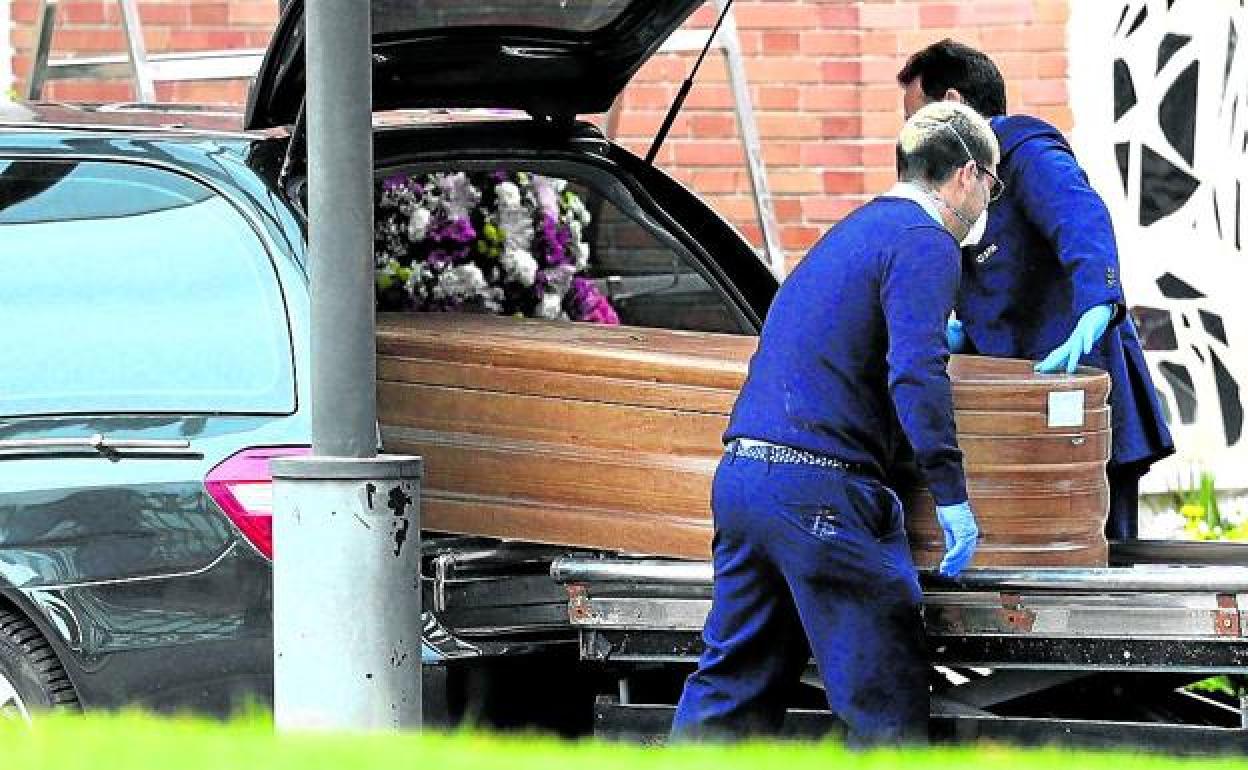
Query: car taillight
242, 486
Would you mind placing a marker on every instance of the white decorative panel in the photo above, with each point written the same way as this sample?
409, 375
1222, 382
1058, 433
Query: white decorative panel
1159, 90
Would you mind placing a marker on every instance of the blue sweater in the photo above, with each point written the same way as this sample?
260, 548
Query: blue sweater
851, 362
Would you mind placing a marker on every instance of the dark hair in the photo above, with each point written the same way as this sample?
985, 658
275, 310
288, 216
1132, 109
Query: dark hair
946, 65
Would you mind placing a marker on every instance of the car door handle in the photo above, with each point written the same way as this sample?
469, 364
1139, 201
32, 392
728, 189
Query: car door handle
96, 443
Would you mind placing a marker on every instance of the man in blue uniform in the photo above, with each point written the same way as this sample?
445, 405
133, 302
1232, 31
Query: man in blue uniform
810, 550
1043, 281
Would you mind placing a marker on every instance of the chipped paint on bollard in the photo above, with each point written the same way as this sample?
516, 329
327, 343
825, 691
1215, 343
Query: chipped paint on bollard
346, 593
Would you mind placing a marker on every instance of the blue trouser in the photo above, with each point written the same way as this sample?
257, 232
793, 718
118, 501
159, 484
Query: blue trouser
1124, 502
808, 559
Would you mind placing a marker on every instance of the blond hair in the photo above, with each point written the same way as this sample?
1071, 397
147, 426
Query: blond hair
940, 138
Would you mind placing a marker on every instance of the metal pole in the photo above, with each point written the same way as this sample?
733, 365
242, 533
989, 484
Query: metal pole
340, 235
346, 593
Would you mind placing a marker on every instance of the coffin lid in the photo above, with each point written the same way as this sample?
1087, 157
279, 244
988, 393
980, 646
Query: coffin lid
545, 57
665, 357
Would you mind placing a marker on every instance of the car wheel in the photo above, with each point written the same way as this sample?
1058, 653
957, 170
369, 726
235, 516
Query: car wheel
31, 678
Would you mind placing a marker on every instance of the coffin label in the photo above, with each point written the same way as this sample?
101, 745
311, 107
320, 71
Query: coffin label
1066, 409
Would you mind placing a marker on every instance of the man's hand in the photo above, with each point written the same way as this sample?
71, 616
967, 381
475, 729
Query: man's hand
1087, 332
955, 335
961, 537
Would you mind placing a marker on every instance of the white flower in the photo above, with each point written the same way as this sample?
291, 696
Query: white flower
395, 195
519, 266
460, 282
578, 246
544, 189
458, 196
419, 223
513, 219
559, 279
580, 249
416, 283
508, 194
1163, 526
550, 307
578, 214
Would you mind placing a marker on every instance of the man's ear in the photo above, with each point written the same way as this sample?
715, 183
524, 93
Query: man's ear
968, 173
953, 95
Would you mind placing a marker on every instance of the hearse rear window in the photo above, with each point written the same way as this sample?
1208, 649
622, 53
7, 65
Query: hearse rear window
126, 288
521, 243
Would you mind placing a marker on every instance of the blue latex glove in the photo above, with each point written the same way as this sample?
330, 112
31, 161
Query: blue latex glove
961, 537
1087, 332
956, 336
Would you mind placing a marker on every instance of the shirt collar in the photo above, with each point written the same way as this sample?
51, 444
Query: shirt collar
912, 192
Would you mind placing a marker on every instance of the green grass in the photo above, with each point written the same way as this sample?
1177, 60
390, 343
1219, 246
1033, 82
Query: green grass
138, 742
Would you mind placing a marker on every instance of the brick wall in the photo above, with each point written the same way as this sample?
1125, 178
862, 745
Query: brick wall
93, 27
827, 105
821, 76
6, 52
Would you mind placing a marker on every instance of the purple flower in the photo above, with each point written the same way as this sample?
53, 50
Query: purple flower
461, 230
395, 183
586, 303
555, 241
438, 259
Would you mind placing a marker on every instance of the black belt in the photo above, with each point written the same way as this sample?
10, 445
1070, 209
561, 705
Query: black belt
774, 453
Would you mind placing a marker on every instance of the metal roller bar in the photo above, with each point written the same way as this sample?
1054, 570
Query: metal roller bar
1161, 578
640, 571
1150, 616
1187, 553
1101, 580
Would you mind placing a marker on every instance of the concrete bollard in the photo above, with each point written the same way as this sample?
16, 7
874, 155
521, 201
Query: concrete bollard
346, 593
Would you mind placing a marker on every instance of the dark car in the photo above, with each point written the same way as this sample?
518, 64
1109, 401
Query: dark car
154, 319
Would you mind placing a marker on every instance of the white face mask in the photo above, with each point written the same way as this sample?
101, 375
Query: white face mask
976, 233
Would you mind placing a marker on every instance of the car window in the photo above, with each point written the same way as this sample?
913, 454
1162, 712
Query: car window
525, 244
127, 288
649, 281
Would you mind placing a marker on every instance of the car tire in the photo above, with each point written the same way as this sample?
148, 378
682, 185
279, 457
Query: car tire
31, 677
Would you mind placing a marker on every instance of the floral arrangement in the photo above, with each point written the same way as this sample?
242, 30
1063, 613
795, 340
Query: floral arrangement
505, 242
1195, 513
1204, 518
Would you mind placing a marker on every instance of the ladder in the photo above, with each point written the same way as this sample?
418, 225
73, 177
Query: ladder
728, 43
136, 63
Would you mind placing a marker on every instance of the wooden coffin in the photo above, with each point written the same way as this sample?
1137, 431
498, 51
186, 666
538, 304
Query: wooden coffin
607, 437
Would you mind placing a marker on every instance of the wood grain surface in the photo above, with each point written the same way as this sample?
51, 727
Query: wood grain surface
607, 437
